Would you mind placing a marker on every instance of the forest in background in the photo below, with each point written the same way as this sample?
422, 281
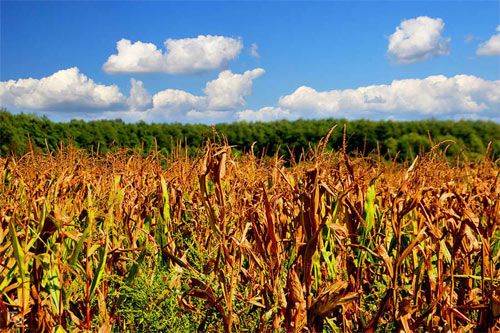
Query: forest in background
388, 138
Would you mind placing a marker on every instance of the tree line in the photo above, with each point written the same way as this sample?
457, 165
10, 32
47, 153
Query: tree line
390, 139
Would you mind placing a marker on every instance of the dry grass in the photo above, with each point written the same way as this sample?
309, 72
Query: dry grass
348, 244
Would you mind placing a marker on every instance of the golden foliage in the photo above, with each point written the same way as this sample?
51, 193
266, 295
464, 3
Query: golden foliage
353, 243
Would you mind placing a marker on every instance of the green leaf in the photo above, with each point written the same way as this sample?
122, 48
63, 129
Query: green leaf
54, 284
100, 269
24, 290
78, 247
370, 209
166, 200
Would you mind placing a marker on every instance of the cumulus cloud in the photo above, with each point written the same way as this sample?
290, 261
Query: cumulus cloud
254, 51
178, 100
182, 56
461, 95
491, 47
139, 98
229, 90
64, 90
222, 97
210, 116
79, 96
418, 39
268, 113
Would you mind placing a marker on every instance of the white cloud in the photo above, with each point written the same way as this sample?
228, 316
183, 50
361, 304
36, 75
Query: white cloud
491, 47
139, 98
267, 113
418, 39
182, 56
64, 90
461, 95
228, 90
78, 96
178, 100
254, 51
223, 95
134, 58
210, 116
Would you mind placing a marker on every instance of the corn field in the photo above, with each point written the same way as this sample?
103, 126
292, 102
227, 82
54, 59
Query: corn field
331, 242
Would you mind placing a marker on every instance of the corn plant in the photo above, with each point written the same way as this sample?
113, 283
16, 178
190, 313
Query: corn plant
332, 241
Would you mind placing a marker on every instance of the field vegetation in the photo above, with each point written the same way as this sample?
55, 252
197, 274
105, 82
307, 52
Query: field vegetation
135, 240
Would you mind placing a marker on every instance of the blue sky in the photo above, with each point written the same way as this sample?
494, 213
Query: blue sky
312, 60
